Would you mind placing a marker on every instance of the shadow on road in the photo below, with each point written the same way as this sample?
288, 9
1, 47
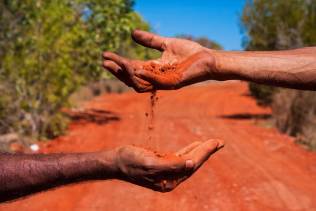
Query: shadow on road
96, 116
246, 116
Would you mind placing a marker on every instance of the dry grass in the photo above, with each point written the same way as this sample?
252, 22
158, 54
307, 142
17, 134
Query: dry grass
92, 90
295, 114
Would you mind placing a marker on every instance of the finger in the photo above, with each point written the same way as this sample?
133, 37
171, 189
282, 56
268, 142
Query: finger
150, 77
116, 70
142, 86
124, 63
149, 40
112, 67
174, 166
142, 82
188, 148
121, 61
201, 153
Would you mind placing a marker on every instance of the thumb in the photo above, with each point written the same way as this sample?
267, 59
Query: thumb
202, 152
149, 40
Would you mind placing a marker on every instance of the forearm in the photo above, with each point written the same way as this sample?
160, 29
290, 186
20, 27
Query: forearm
292, 68
21, 175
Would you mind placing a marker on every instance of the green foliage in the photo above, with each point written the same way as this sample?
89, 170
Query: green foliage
277, 25
47, 50
295, 114
130, 49
263, 94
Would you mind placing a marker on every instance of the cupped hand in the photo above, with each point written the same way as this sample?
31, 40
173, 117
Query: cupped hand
163, 173
193, 63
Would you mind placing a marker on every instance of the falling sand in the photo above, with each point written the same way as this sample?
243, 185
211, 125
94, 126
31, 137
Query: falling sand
157, 69
151, 115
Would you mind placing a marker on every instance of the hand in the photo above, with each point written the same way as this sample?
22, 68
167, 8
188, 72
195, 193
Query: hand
190, 63
162, 173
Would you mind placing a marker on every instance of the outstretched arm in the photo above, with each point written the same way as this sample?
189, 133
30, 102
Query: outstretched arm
184, 62
22, 174
291, 68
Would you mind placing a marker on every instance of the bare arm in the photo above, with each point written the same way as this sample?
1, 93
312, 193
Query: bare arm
192, 63
22, 174
292, 68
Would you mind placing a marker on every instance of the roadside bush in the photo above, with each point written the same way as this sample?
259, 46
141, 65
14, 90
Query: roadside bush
263, 94
48, 50
295, 114
280, 25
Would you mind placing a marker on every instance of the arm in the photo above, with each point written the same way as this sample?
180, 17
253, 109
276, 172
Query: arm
192, 63
22, 174
292, 68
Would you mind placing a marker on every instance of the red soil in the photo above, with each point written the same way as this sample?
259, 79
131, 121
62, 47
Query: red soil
258, 169
160, 69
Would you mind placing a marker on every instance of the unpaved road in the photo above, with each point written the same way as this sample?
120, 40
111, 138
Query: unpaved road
258, 169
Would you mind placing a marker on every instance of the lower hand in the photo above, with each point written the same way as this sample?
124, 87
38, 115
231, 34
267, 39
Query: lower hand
162, 173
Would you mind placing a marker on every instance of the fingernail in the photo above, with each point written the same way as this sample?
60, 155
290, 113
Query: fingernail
189, 164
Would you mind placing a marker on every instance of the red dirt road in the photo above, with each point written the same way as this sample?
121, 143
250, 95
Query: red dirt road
258, 169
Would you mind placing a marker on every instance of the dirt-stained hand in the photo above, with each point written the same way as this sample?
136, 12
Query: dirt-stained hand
163, 173
192, 63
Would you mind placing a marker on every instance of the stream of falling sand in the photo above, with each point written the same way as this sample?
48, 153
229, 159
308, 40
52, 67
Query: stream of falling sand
157, 69
151, 119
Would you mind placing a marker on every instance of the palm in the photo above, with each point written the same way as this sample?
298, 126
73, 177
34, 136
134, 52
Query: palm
178, 50
183, 53
163, 172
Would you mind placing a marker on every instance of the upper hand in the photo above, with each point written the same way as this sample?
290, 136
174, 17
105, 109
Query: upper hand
162, 173
194, 63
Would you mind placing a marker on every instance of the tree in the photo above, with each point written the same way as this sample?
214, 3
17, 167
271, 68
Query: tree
279, 25
48, 49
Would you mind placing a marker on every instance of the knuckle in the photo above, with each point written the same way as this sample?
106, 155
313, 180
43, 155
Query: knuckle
123, 149
167, 42
137, 89
106, 63
150, 163
107, 54
164, 45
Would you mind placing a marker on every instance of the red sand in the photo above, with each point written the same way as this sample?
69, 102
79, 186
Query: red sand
151, 117
160, 69
157, 69
258, 169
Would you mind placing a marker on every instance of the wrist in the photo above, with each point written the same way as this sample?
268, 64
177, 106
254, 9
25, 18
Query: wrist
107, 163
215, 67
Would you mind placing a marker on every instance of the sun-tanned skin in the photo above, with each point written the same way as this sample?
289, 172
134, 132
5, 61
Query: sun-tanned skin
24, 174
291, 68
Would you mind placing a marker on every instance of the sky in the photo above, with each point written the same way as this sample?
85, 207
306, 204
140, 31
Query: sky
216, 19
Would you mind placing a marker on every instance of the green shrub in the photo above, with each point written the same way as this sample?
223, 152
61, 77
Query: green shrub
50, 48
279, 25
263, 94
295, 114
